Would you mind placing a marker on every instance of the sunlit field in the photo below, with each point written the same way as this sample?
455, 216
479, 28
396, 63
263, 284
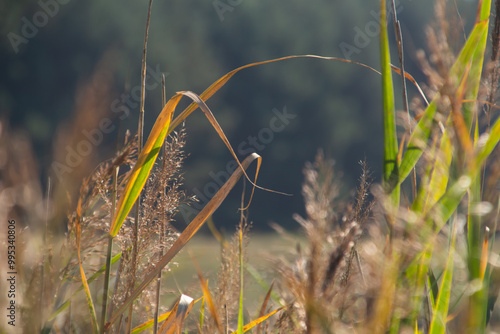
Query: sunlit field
121, 246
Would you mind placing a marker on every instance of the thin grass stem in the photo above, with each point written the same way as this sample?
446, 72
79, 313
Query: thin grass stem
162, 234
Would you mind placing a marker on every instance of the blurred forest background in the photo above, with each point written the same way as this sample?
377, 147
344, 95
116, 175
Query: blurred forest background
337, 105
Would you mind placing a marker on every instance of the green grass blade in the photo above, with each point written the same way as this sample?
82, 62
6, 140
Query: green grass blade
417, 274
491, 141
262, 282
144, 164
174, 322
435, 179
474, 233
433, 287
451, 199
202, 312
438, 324
390, 136
90, 280
478, 307
476, 65
441, 171
420, 136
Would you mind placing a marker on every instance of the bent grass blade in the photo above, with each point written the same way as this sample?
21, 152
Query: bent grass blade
164, 126
422, 132
258, 321
150, 323
139, 174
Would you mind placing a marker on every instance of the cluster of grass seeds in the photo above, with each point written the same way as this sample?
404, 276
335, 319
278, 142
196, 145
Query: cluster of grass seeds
429, 264
438, 254
325, 287
227, 287
159, 204
162, 196
51, 269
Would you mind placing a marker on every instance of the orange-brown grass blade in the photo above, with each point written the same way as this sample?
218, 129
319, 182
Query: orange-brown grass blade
163, 126
264, 306
188, 233
139, 174
256, 322
209, 115
167, 324
412, 80
484, 254
177, 316
215, 232
210, 91
458, 119
490, 104
150, 323
78, 224
208, 297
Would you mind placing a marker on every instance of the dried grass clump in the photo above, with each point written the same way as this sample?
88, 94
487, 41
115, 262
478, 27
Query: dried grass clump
325, 287
55, 272
226, 293
22, 201
160, 201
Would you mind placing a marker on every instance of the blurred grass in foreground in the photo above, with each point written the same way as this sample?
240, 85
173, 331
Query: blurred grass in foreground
383, 261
